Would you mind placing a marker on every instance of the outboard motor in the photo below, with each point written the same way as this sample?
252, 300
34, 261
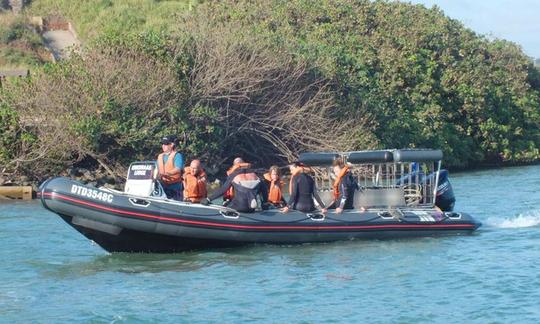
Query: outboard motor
445, 198
141, 179
445, 194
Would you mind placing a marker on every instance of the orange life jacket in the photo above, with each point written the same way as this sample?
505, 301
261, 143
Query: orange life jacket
274, 192
167, 167
297, 172
194, 185
343, 172
229, 194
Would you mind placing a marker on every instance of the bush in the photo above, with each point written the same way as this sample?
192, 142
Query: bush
268, 80
426, 80
104, 107
267, 103
223, 94
9, 127
20, 45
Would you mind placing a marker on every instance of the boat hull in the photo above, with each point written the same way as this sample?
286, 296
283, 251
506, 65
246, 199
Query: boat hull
122, 223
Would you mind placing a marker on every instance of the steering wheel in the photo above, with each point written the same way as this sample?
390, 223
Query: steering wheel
412, 194
158, 189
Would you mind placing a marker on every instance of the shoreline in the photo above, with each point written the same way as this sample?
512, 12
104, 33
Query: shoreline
492, 166
99, 179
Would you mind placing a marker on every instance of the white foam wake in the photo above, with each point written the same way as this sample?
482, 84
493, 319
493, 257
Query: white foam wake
528, 219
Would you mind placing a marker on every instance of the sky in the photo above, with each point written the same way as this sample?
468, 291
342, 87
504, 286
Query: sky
517, 21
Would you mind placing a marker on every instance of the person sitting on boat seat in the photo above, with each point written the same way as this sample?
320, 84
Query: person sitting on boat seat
275, 185
194, 182
238, 163
344, 187
302, 190
170, 164
247, 186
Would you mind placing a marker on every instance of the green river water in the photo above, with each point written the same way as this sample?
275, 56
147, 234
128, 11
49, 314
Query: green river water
51, 274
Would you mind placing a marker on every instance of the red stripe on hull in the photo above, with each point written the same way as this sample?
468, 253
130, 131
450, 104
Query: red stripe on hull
260, 227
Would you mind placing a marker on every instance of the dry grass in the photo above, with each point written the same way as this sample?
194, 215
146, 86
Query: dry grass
67, 108
20, 46
269, 102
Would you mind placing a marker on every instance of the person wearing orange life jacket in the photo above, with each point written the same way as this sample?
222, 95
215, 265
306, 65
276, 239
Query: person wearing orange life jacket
275, 186
238, 163
247, 186
194, 182
302, 190
344, 187
170, 164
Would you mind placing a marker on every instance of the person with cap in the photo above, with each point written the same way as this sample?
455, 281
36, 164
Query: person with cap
170, 164
302, 190
247, 186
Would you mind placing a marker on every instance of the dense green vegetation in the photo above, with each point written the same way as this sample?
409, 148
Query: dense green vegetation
267, 80
425, 79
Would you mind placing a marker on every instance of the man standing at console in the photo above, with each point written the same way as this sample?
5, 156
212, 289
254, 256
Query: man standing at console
170, 165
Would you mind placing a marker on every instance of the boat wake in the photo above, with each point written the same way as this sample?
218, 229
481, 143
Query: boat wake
528, 219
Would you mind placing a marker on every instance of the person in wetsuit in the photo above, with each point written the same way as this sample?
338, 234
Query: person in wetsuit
237, 164
247, 186
302, 190
344, 187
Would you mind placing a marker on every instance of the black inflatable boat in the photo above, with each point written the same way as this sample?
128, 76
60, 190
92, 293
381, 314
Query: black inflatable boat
141, 219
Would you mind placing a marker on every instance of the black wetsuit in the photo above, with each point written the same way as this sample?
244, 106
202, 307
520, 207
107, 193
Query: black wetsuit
302, 193
243, 196
347, 187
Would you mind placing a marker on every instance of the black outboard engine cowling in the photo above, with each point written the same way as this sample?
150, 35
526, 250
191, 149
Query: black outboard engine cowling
445, 194
445, 199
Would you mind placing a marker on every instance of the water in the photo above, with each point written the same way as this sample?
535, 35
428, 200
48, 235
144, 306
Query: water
50, 273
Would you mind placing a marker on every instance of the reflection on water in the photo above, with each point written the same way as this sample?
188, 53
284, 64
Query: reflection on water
127, 263
299, 256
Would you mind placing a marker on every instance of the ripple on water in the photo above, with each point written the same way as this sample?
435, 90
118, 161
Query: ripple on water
528, 219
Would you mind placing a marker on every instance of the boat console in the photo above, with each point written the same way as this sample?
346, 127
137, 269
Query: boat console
141, 180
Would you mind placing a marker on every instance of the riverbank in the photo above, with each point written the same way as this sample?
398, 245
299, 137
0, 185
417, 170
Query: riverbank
101, 178
493, 166
97, 178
